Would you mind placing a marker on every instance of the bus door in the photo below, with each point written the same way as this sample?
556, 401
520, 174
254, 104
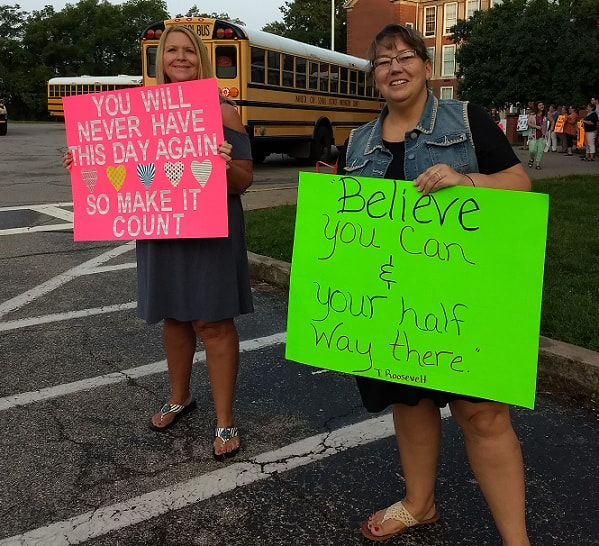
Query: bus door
226, 62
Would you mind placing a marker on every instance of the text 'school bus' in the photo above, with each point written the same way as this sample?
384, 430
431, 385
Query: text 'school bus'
80, 85
292, 97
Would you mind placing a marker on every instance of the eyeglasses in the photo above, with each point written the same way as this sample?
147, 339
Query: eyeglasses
404, 58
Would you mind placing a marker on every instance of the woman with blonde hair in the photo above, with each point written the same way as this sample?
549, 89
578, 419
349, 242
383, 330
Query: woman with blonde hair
208, 279
197, 286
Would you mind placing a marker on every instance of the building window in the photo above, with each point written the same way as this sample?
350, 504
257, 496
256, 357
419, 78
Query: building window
472, 6
409, 25
451, 16
495, 3
448, 69
430, 20
430, 51
446, 92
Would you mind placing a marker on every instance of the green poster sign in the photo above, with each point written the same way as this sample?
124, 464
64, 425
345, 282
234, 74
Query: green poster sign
441, 291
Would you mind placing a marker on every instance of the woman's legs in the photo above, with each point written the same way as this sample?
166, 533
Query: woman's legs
590, 138
418, 433
496, 460
569, 143
540, 148
554, 137
179, 344
221, 343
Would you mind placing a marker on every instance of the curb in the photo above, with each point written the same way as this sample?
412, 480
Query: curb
562, 367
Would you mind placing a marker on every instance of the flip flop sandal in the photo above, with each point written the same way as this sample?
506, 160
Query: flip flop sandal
178, 409
225, 434
399, 513
538, 167
530, 164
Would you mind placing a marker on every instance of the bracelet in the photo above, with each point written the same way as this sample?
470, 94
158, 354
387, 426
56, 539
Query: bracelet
470, 178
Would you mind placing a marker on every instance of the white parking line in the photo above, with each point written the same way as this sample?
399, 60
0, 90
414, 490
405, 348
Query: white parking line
51, 209
162, 501
25, 398
41, 290
136, 510
70, 315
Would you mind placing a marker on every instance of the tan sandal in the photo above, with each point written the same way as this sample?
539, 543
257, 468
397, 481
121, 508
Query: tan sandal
399, 513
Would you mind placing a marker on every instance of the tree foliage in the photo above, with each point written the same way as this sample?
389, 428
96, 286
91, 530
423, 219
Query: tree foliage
309, 21
194, 11
91, 37
524, 50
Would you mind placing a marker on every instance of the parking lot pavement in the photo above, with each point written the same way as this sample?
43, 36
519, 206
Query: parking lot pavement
79, 465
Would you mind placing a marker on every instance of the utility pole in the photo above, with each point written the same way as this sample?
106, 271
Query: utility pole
332, 25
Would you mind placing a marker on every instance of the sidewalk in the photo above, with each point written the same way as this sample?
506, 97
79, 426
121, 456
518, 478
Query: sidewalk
562, 367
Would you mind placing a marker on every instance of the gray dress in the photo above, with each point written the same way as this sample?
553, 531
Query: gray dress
198, 279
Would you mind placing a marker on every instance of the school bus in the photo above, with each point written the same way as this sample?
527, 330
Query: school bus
292, 97
80, 85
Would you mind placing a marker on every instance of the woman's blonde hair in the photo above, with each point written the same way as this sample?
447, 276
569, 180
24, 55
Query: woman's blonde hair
205, 66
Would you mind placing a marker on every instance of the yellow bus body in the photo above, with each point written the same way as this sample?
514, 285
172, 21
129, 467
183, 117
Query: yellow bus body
293, 98
80, 85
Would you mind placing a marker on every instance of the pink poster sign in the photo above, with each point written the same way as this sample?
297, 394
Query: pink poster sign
146, 163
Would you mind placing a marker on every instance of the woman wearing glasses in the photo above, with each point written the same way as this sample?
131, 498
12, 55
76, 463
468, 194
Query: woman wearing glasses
471, 151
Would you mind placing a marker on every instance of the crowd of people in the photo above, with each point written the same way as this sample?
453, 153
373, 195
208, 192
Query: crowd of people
560, 129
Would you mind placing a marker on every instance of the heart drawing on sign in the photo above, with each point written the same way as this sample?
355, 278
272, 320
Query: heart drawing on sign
174, 172
146, 173
90, 177
116, 175
201, 171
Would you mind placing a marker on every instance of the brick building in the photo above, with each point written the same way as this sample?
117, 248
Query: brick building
432, 18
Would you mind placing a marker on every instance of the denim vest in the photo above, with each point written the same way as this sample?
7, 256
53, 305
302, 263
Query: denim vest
442, 136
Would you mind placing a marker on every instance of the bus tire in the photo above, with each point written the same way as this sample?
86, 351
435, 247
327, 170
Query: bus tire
320, 147
258, 155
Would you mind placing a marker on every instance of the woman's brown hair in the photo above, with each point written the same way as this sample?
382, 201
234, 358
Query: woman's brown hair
386, 38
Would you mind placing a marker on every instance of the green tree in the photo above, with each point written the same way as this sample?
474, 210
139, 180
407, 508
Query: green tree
524, 50
309, 21
11, 21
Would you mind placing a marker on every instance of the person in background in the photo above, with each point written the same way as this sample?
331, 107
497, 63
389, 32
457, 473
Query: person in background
561, 137
537, 131
595, 104
395, 146
529, 111
495, 115
570, 129
590, 132
197, 286
551, 137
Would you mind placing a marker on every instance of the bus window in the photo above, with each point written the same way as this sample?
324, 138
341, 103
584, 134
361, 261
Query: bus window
257, 65
274, 68
343, 81
151, 61
334, 79
313, 84
287, 70
369, 86
226, 62
324, 77
353, 82
361, 83
300, 73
